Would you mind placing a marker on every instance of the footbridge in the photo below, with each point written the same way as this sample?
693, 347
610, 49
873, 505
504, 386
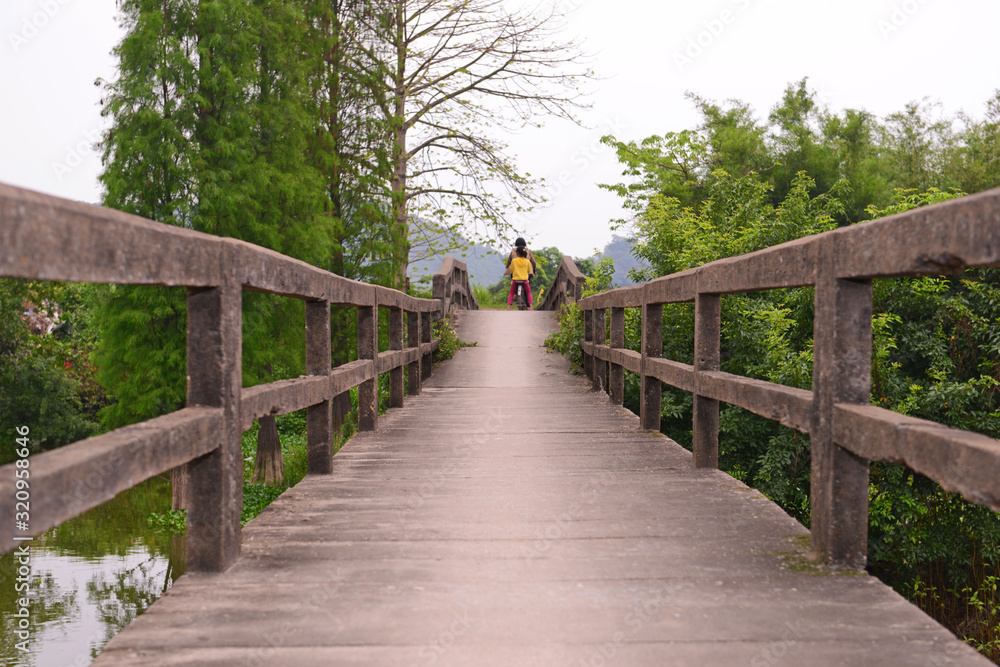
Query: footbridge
505, 511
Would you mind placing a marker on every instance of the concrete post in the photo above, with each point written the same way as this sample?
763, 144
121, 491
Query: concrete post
368, 349
215, 379
319, 418
396, 343
616, 383
707, 317
652, 347
600, 338
841, 374
413, 340
425, 337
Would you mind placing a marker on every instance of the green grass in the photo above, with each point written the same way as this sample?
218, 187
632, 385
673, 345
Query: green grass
294, 449
489, 300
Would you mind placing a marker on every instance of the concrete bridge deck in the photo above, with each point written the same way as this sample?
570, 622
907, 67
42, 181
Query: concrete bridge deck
510, 516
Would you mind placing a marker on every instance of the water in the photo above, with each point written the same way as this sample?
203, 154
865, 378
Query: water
90, 578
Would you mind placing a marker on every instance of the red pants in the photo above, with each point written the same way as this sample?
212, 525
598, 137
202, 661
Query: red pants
513, 291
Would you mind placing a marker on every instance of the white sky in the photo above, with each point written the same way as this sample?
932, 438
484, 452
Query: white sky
872, 54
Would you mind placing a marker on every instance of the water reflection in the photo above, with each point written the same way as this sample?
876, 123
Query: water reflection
90, 578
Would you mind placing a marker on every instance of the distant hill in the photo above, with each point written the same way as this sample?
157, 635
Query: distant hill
485, 265
620, 250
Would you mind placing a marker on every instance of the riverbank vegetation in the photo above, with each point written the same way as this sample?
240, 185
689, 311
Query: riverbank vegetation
736, 184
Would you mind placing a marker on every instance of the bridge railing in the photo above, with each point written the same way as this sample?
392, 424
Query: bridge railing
47, 238
567, 286
451, 286
846, 432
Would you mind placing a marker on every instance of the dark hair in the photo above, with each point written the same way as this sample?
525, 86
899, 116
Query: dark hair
521, 251
520, 242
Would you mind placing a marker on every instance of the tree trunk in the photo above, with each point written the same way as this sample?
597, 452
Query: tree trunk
400, 157
179, 487
269, 464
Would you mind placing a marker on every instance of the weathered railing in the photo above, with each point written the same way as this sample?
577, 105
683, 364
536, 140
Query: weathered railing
567, 286
47, 238
451, 286
845, 430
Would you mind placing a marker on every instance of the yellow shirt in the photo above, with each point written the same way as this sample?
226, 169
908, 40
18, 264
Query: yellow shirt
520, 268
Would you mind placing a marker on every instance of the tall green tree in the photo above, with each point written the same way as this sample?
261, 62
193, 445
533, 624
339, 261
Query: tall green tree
353, 141
852, 137
211, 131
914, 142
149, 170
796, 137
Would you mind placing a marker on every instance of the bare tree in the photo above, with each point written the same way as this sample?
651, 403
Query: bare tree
455, 72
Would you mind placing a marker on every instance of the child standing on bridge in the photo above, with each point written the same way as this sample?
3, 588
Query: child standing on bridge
519, 272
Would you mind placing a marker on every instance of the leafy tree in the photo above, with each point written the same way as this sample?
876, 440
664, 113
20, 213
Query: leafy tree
352, 147
449, 74
548, 261
853, 139
737, 141
975, 161
798, 144
913, 143
672, 165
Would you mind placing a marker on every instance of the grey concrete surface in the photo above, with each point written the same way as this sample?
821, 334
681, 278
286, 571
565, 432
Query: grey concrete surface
510, 516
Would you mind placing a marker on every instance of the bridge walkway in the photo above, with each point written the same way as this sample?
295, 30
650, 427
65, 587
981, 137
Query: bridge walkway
510, 516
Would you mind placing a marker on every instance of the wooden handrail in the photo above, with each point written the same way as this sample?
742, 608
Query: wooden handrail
48, 238
845, 431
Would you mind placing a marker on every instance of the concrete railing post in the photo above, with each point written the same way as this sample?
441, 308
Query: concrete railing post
215, 379
600, 338
425, 337
588, 336
652, 347
413, 340
368, 349
396, 343
616, 383
707, 318
319, 418
841, 374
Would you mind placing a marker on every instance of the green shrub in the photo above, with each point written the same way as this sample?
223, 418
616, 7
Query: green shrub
450, 343
489, 298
